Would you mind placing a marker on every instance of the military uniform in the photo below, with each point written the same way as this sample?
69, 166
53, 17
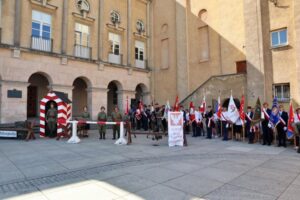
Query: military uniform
116, 117
102, 117
159, 117
51, 118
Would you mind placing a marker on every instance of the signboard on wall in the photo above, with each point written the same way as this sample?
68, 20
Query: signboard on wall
8, 134
175, 128
14, 93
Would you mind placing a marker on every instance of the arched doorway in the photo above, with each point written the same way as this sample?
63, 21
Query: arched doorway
79, 95
37, 89
114, 96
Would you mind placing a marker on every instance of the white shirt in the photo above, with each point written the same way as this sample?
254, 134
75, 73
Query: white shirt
198, 116
296, 119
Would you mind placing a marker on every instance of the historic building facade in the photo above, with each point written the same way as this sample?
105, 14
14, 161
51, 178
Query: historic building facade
200, 41
101, 52
93, 50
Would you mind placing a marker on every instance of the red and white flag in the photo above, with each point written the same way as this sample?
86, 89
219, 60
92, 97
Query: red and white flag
291, 131
219, 112
176, 105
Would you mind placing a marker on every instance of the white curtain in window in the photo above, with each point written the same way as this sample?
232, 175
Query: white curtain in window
41, 17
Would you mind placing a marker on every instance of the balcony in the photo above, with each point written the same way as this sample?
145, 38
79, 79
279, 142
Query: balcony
82, 51
116, 59
140, 64
41, 44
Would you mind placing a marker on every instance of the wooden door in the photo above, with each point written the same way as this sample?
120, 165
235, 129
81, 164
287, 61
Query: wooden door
32, 103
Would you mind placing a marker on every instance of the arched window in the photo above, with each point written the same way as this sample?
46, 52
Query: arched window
115, 17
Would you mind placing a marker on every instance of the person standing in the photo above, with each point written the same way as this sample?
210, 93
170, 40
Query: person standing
51, 119
266, 126
198, 118
224, 124
102, 117
116, 117
282, 127
249, 116
85, 116
209, 122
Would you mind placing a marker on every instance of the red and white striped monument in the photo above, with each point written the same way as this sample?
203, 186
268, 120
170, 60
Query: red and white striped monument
64, 108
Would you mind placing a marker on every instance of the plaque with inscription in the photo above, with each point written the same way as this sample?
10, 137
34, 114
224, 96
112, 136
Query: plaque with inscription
14, 93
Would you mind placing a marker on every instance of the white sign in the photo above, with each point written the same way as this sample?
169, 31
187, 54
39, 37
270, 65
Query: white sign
175, 128
8, 134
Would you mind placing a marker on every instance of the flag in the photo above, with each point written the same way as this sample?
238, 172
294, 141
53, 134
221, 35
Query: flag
167, 110
257, 113
233, 113
242, 113
203, 106
219, 112
275, 116
176, 104
290, 132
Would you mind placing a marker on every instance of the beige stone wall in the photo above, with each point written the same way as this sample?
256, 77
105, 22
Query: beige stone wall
7, 21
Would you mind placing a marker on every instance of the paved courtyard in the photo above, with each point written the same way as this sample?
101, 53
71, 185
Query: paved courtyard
206, 169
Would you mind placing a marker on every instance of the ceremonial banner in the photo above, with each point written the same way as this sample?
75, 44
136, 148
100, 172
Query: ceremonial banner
175, 128
290, 132
233, 113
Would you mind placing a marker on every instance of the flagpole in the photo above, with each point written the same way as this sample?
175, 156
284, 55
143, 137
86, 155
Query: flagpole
243, 122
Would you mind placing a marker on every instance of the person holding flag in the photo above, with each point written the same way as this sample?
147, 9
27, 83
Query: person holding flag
249, 116
282, 127
209, 122
266, 126
255, 121
192, 118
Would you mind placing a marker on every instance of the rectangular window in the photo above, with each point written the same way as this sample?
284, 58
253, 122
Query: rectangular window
41, 25
82, 35
203, 43
115, 41
279, 38
139, 50
282, 91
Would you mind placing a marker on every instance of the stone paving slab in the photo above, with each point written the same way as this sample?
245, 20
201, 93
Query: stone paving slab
94, 169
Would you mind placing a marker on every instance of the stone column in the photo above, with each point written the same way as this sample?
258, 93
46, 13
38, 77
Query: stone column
13, 109
181, 46
97, 97
258, 56
129, 33
64, 38
100, 29
17, 23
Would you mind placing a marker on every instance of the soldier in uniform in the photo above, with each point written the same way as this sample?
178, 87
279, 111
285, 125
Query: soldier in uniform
116, 117
85, 116
51, 119
102, 117
159, 117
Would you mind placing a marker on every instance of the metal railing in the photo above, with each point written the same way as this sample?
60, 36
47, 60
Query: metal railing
41, 44
82, 51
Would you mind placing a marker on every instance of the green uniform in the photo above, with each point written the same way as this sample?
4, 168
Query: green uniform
86, 116
51, 118
116, 117
159, 116
102, 117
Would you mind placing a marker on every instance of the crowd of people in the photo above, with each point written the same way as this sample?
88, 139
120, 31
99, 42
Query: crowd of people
197, 121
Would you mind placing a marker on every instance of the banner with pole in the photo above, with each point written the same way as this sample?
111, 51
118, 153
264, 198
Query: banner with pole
175, 129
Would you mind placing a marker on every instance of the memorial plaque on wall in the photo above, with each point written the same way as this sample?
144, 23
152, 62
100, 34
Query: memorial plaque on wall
14, 93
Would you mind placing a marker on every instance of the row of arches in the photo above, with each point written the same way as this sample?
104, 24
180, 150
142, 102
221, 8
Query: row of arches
39, 86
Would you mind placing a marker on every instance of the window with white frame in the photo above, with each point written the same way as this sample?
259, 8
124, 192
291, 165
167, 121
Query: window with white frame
41, 25
82, 35
282, 91
279, 38
139, 50
115, 42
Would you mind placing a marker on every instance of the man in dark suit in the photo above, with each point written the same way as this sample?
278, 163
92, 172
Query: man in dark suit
209, 122
282, 127
266, 127
249, 116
